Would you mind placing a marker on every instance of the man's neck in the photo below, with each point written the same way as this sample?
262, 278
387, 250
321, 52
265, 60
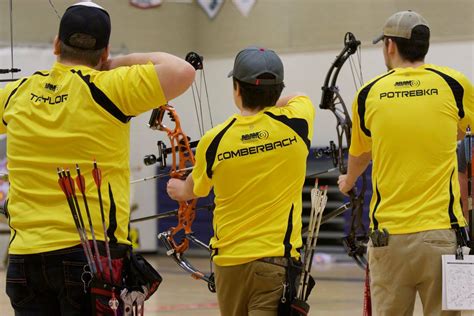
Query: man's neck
249, 112
407, 64
68, 62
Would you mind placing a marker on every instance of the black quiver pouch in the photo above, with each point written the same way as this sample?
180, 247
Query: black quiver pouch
131, 273
290, 304
142, 274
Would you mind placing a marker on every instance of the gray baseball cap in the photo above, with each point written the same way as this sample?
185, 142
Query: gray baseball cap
254, 61
401, 24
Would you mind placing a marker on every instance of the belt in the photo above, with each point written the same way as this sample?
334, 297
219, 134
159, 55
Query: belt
279, 261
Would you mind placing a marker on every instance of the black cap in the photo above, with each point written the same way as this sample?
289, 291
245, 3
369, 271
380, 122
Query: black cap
253, 61
86, 18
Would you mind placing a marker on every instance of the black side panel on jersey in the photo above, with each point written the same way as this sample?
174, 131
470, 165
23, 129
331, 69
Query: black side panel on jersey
101, 99
361, 100
456, 87
212, 149
299, 125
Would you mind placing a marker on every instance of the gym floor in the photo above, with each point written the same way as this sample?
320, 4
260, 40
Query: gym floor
338, 292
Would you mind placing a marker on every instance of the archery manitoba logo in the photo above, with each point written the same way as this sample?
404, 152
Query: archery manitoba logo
407, 84
51, 87
251, 137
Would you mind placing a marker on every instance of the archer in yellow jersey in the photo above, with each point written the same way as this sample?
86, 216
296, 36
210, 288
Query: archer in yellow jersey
78, 110
256, 163
407, 121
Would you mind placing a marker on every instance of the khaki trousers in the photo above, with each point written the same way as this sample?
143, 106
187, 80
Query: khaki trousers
253, 288
410, 263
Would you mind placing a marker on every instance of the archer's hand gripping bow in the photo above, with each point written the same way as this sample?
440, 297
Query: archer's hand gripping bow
331, 99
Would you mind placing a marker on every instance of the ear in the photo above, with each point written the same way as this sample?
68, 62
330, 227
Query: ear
56, 46
105, 54
391, 47
237, 89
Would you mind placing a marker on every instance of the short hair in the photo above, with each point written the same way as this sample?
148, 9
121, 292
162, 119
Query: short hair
257, 97
82, 49
416, 48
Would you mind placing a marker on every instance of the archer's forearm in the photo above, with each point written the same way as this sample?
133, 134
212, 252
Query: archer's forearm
188, 189
283, 100
141, 59
463, 187
175, 74
357, 165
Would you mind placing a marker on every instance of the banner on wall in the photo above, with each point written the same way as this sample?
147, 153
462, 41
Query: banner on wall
244, 6
145, 4
211, 7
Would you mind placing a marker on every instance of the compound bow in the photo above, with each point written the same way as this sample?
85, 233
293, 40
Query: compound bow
182, 162
331, 99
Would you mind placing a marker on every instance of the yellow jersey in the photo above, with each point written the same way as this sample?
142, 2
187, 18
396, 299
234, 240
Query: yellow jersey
409, 119
256, 165
64, 116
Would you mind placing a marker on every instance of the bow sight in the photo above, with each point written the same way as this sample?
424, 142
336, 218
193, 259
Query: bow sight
330, 151
156, 123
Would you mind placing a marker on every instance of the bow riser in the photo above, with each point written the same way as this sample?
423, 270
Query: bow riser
182, 160
186, 216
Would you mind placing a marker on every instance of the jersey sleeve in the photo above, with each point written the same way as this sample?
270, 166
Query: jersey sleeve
5, 95
467, 104
300, 107
202, 180
360, 142
134, 90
